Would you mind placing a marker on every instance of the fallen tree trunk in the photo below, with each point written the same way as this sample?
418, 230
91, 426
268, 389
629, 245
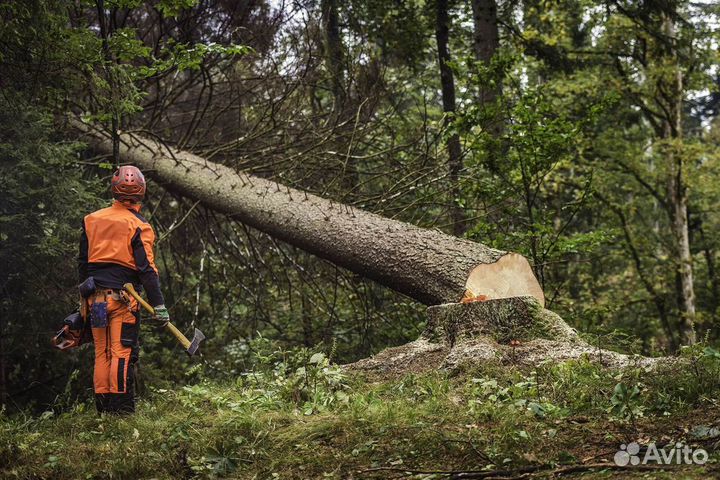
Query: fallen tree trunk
426, 265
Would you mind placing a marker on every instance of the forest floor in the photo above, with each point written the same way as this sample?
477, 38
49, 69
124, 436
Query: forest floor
317, 421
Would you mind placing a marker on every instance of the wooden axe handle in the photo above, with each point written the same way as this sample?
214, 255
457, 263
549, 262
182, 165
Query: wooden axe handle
173, 329
178, 334
131, 290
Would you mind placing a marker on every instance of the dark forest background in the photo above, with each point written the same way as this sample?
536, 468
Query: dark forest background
582, 134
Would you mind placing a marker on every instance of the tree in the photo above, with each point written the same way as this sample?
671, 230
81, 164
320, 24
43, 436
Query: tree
670, 97
447, 83
486, 42
334, 52
652, 76
426, 265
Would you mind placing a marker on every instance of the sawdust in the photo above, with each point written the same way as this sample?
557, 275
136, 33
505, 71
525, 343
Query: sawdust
414, 357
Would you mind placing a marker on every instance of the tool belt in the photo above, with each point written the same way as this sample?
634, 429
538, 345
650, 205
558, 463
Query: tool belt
98, 305
91, 313
102, 294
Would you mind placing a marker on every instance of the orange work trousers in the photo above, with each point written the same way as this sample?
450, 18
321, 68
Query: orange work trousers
116, 352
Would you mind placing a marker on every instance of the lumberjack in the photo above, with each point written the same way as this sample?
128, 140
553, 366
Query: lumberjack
116, 247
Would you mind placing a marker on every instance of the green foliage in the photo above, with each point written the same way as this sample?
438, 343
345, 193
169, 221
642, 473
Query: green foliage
501, 418
626, 402
397, 30
128, 63
301, 377
567, 165
43, 200
710, 352
173, 8
525, 169
519, 398
40, 55
180, 57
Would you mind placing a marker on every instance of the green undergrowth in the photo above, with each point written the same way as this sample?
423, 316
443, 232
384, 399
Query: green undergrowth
299, 416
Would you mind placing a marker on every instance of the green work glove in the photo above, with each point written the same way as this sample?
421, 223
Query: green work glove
161, 313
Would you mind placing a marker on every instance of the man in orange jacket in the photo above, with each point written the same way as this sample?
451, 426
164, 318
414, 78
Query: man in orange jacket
116, 247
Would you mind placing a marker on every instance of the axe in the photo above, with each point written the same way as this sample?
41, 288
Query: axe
191, 348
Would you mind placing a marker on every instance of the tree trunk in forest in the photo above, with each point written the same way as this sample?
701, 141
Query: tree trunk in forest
486, 41
105, 33
426, 265
676, 185
709, 255
3, 370
447, 83
334, 57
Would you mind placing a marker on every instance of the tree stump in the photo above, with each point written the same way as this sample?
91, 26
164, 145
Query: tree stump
507, 331
503, 320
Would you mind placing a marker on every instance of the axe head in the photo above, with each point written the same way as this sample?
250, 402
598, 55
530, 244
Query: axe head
198, 337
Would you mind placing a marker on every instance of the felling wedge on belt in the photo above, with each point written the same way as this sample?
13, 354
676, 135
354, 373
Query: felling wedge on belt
191, 347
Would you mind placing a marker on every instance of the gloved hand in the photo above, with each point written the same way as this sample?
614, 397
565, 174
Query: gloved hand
161, 313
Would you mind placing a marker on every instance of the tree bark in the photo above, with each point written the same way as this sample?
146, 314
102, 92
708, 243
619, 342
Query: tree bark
3, 370
676, 184
447, 83
426, 265
105, 33
709, 255
334, 56
486, 41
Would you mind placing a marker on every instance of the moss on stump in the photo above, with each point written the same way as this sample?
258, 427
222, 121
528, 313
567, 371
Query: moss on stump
504, 320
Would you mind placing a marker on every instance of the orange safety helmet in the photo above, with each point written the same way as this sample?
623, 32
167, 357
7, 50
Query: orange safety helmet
128, 184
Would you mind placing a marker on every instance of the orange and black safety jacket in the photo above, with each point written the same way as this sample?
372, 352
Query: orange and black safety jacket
116, 247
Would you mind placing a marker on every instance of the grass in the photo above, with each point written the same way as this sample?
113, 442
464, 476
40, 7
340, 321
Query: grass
307, 419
